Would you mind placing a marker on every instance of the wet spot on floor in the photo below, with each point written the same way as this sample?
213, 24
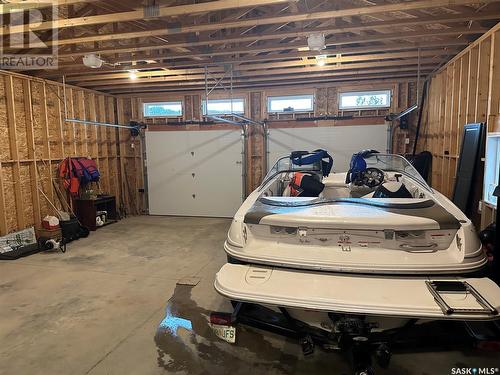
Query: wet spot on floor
185, 342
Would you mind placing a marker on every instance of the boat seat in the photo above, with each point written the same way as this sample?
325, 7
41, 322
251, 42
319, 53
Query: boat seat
335, 186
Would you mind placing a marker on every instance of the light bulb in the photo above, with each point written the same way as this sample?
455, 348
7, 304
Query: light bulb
132, 74
321, 60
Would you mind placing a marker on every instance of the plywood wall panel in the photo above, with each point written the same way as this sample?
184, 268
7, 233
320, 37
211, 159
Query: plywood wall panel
10, 199
44, 188
53, 123
20, 118
25, 186
38, 120
468, 90
36, 138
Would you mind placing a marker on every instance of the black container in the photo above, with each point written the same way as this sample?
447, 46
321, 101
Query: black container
20, 252
72, 230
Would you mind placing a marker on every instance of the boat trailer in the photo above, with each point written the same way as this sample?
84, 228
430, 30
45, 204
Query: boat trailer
358, 340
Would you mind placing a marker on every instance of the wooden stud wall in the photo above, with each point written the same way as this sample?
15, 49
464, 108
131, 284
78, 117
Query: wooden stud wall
466, 90
131, 152
35, 138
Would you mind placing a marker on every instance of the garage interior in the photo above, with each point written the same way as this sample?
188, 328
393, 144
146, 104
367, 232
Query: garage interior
184, 107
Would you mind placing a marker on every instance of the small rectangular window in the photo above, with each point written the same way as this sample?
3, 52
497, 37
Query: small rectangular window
224, 106
163, 109
365, 99
291, 103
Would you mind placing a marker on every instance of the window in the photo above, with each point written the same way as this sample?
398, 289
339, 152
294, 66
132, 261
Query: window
295, 103
365, 99
223, 106
163, 109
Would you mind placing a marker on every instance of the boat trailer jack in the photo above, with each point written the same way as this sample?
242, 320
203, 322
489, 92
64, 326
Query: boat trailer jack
357, 339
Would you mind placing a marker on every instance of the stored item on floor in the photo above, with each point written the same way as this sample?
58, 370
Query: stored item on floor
102, 215
99, 222
64, 215
18, 244
55, 234
50, 222
88, 211
72, 230
45, 244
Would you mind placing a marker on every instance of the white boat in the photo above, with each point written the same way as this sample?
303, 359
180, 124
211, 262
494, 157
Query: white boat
375, 241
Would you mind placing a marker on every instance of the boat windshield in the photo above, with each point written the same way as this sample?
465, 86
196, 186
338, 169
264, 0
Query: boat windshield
395, 163
285, 165
384, 162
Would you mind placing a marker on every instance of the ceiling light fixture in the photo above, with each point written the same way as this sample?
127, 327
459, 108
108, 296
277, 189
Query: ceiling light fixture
316, 42
92, 60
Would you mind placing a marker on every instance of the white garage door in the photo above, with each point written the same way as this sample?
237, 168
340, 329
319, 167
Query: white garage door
194, 173
340, 141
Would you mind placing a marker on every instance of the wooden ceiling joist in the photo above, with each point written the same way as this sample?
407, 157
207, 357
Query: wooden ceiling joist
169, 43
273, 48
284, 46
10, 6
278, 81
217, 26
445, 48
268, 65
156, 12
266, 72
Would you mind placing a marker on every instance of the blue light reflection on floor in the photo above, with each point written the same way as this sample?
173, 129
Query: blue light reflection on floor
172, 323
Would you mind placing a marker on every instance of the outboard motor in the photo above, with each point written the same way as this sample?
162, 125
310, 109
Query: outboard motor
392, 189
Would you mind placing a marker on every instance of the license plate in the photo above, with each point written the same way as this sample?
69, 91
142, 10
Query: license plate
226, 333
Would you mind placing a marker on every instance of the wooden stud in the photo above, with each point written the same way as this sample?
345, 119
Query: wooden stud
46, 140
494, 89
483, 80
30, 138
472, 85
122, 148
16, 166
60, 121
3, 211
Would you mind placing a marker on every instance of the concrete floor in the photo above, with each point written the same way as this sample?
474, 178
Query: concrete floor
101, 308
